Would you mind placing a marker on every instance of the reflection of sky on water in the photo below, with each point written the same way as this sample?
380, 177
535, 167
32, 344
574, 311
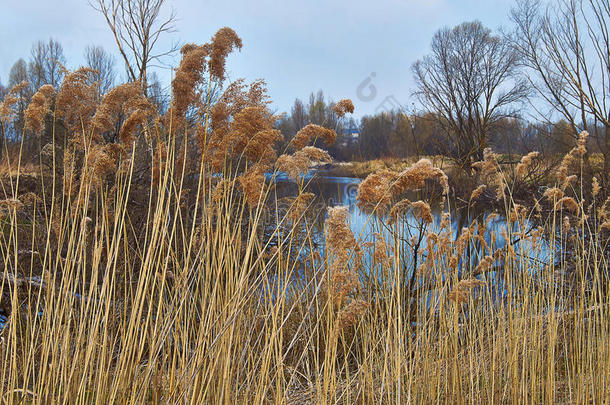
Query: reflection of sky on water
332, 191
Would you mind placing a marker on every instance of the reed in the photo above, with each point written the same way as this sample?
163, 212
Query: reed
155, 267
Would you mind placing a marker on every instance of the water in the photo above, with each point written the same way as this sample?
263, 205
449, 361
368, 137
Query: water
342, 191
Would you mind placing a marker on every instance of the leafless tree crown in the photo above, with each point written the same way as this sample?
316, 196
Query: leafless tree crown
470, 82
137, 26
46, 64
565, 49
103, 63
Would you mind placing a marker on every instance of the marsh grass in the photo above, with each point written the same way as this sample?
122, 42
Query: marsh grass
167, 287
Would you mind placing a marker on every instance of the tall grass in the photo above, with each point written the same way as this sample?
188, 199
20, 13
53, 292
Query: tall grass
190, 287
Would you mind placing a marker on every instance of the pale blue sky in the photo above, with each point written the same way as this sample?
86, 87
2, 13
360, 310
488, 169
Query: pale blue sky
296, 46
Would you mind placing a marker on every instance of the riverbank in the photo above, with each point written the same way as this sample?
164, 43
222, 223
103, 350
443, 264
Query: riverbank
361, 169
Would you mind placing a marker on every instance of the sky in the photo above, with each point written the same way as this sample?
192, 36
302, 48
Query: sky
355, 49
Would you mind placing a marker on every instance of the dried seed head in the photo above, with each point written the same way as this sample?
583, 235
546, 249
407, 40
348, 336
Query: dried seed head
477, 192
596, 187
125, 100
339, 234
461, 291
351, 314
7, 112
343, 107
398, 210
223, 43
252, 183
568, 203
184, 86
381, 255
415, 176
11, 204
298, 164
491, 174
222, 190
374, 193
525, 164
421, 210
484, 265
343, 281
39, 108
553, 194
241, 124
565, 225
571, 159
76, 99
313, 132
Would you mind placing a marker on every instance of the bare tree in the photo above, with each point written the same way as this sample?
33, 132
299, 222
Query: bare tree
566, 49
470, 82
137, 26
45, 66
17, 75
298, 115
317, 108
156, 94
103, 63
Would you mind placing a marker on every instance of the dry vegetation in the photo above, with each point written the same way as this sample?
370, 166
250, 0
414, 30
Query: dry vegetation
145, 270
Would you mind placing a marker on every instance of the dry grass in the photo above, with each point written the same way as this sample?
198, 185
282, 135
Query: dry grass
146, 275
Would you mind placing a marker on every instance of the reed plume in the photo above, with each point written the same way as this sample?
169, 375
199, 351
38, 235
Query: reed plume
525, 164
568, 203
124, 100
491, 174
253, 135
241, 124
223, 43
572, 158
462, 290
414, 177
374, 192
343, 107
380, 254
595, 187
553, 194
184, 85
351, 314
421, 210
477, 192
398, 210
76, 100
39, 108
252, 183
7, 112
298, 164
313, 132
339, 235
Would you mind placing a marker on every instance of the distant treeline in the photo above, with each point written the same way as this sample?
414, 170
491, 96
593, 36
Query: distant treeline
399, 134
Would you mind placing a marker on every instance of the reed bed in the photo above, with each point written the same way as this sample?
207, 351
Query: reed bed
153, 266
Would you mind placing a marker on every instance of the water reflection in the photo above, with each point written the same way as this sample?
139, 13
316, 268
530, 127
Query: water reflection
333, 191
